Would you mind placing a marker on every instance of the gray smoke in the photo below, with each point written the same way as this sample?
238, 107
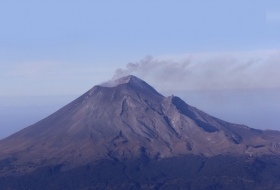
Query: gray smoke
208, 71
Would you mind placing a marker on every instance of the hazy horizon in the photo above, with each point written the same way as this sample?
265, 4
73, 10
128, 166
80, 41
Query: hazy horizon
241, 107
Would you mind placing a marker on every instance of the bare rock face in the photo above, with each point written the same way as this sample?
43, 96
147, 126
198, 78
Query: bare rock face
123, 119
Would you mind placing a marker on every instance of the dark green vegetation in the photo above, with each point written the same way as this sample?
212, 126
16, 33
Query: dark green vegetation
183, 172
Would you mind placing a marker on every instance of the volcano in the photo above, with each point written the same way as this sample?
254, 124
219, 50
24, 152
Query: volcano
123, 134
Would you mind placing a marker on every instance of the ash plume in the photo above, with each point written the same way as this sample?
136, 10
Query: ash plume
208, 71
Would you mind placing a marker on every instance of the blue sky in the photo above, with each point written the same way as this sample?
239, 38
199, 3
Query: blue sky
53, 49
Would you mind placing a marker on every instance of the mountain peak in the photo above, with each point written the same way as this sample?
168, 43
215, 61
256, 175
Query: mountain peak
132, 82
122, 80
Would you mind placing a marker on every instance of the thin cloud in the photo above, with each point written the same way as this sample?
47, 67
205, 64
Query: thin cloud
51, 78
50, 69
30, 70
234, 70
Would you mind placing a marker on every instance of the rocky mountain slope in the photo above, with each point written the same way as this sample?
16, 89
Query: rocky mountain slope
124, 120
